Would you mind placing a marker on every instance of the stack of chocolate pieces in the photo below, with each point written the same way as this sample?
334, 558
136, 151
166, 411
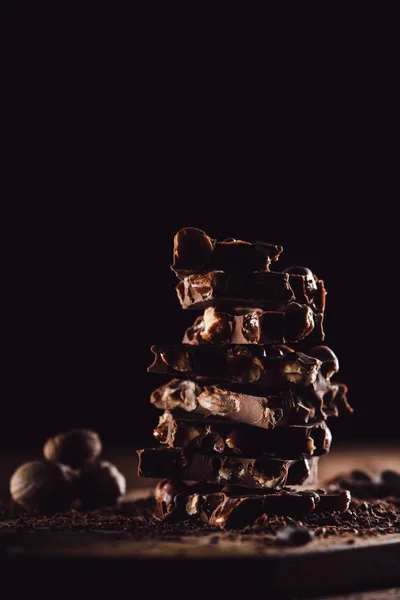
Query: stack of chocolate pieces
244, 420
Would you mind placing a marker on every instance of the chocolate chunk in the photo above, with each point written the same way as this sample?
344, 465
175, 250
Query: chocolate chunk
278, 367
291, 325
305, 470
294, 535
213, 400
196, 252
240, 404
236, 513
312, 287
235, 506
268, 291
225, 437
262, 472
331, 502
290, 504
329, 360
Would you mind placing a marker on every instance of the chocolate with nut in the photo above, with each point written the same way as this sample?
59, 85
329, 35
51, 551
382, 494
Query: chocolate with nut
263, 472
242, 440
268, 291
236, 402
216, 401
237, 507
196, 252
291, 325
273, 367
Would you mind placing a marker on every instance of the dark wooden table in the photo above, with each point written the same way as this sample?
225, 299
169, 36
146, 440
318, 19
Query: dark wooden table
325, 566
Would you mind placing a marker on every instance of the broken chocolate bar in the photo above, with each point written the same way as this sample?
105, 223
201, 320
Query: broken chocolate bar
269, 291
234, 507
213, 399
243, 440
295, 323
264, 472
276, 367
196, 252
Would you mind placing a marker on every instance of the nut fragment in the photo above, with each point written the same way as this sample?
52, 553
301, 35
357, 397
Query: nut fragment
251, 326
43, 486
299, 322
193, 504
268, 475
161, 431
329, 360
101, 484
180, 360
310, 278
192, 248
218, 402
167, 489
74, 448
217, 326
243, 366
298, 371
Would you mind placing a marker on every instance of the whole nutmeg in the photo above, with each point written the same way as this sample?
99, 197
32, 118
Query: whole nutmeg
100, 484
44, 486
74, 448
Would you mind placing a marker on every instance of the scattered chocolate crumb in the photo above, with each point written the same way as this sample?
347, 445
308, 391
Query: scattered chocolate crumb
364, 519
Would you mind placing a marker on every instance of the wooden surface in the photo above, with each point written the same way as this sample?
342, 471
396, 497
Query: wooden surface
325, 566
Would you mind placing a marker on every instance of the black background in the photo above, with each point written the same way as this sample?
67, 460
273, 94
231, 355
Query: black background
121, 133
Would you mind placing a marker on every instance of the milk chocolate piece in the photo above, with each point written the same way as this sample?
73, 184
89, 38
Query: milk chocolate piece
276, 367
238, 403
294, 324
264, 472
269, 291
196, 252
243, 440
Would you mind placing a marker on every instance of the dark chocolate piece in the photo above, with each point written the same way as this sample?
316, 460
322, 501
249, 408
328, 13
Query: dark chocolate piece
295, 323
264, 472
236, 402
235, 507
334, 501
329, 360
243, 440
196, 252
215, 401
236, 513
269, 291
273, 366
